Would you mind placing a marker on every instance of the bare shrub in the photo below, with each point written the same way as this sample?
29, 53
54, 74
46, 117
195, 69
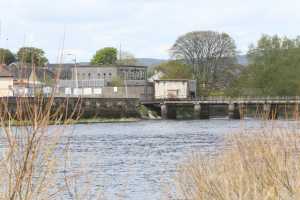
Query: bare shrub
30, 160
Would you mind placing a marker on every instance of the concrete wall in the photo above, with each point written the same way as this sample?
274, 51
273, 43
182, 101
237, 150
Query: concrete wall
6, 84
171, 89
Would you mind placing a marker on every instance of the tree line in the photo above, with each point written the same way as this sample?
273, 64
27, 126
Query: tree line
211, 58
31, 55
36, 56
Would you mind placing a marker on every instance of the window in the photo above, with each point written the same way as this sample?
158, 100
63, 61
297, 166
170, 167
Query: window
99, 76
89, 76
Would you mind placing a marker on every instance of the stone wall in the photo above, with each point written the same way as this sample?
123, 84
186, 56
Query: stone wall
80, 107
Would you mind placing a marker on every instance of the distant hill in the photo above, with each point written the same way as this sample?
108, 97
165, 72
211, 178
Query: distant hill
150, 62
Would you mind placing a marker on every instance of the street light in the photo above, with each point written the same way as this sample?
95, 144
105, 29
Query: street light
75, 62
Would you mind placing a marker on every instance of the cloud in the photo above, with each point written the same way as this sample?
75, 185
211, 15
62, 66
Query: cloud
144, 27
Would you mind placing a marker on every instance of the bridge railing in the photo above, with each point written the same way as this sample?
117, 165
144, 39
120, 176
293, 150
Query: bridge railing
249, 98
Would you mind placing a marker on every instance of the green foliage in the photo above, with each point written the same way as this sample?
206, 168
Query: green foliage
175, 70
32, 55
117, 82
143, 111
6, 56
209, 53
107, 55
274, 68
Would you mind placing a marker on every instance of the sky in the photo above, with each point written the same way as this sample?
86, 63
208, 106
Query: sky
145, 28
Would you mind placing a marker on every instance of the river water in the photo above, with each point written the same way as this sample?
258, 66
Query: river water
139, 160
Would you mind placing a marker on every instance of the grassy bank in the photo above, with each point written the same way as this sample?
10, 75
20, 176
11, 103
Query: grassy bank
105, 120
255, 165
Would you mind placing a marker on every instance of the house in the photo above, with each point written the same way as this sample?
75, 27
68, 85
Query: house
27, 75
174, 89
6, 82
28, 80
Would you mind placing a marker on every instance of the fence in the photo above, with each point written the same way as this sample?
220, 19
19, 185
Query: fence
142, 92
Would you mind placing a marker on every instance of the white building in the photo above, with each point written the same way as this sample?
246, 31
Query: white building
174, 89
6, 82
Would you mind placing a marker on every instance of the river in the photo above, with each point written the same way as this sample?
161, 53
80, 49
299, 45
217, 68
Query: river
139, 160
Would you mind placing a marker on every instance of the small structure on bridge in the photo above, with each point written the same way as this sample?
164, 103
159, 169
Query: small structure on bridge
175, 89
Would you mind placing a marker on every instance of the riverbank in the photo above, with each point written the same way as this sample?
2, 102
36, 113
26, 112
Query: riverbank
105, 120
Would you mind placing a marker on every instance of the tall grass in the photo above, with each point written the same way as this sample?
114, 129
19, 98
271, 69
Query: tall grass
31, 153
263, 164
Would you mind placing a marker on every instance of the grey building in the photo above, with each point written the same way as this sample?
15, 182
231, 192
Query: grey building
132, 75
107, 72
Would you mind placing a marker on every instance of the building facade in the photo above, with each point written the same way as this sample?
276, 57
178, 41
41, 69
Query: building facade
174, 89
6, 82
108, 72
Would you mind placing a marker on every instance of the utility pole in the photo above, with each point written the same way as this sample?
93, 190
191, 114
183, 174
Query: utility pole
75, 68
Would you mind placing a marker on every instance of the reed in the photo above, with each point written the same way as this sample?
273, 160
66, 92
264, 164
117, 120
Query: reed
262, 164
32, 154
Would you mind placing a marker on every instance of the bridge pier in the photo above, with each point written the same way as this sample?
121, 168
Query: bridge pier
204, 112
242, 110
270, 111
234, 111
197, 111
164, 111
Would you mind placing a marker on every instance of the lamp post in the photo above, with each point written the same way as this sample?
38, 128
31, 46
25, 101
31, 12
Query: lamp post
75, 64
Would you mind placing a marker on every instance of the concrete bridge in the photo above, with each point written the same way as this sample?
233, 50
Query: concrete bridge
235, 106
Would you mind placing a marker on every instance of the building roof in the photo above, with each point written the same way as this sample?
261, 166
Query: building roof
4, 72
19, 72
173, 80
68, 66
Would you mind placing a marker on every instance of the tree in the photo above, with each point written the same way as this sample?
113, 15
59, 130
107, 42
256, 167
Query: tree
126, 58
6, 56
274, 68
32, 55
175, 70
209, 53
107, 55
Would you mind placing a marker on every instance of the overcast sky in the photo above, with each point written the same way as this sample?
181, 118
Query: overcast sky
146, 28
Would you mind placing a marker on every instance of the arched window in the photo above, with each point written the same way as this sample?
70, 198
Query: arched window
89, 75
99, 76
